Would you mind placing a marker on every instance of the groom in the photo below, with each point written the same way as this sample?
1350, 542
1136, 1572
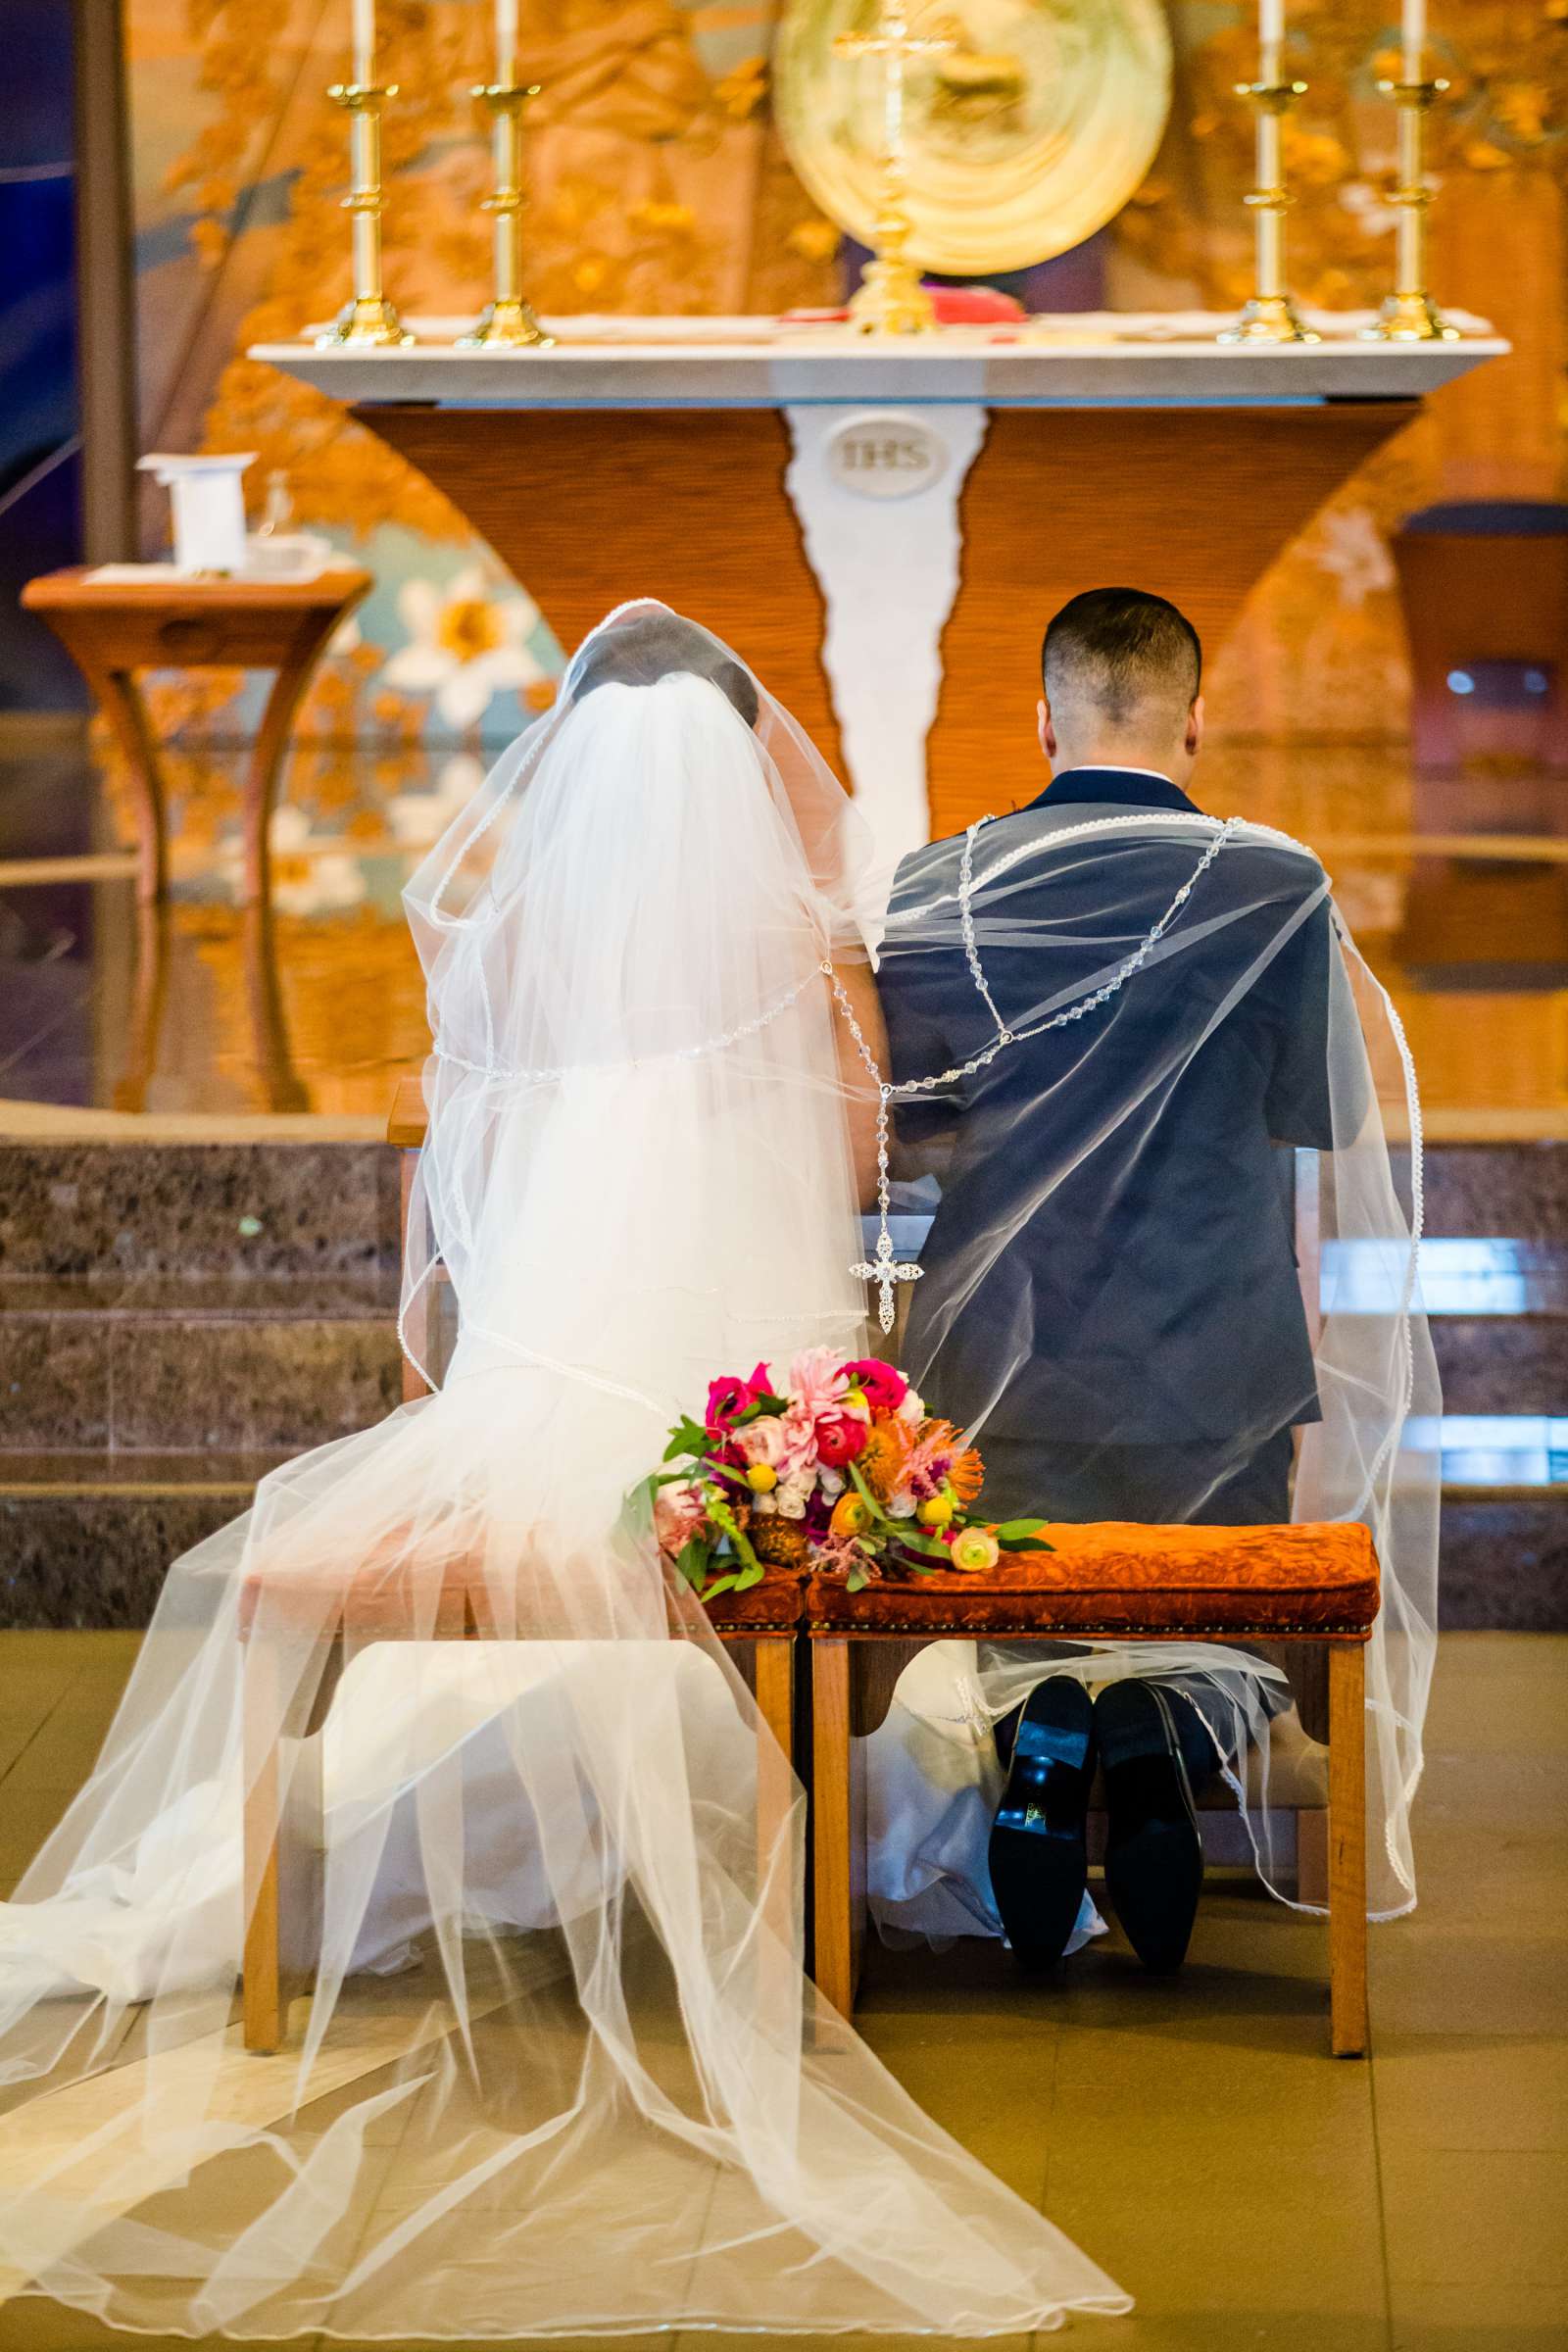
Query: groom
1203, 1432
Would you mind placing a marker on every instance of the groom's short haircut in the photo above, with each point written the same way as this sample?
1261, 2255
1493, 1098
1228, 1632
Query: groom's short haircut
1113, 653
648, 646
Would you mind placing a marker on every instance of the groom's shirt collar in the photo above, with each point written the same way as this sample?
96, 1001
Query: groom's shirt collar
1123, 787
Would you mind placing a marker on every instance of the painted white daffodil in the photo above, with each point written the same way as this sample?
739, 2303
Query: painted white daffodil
466, 645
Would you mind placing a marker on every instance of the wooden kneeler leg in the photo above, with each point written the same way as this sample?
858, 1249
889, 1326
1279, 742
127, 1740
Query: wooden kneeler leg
262, 1768
1347, 1849
282, 1852
772, 1663
830, 1821
774, 1685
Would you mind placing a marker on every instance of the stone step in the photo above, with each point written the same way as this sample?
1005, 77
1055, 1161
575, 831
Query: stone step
175, 1317
86, 1539
110, 1379
1517, 1192
175, 1297
1503, 1363
157, 1222
1504, 1562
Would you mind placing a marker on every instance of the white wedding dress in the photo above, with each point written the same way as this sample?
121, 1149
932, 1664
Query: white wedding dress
561, 2071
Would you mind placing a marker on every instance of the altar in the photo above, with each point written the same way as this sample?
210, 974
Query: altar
883, 526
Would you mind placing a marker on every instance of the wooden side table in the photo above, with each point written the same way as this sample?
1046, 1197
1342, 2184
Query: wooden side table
112, 627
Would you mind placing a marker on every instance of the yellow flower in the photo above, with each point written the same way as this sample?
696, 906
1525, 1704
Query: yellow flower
938, 1511
976, 1550
852, 1515
762, 1478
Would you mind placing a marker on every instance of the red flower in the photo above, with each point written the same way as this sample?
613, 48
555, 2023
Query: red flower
840, 1436
884, 1384
729, 1397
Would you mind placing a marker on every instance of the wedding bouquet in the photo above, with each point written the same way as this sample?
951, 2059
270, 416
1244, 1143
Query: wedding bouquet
838, 1466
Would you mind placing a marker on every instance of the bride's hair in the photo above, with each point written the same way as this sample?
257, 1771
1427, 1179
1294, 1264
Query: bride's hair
645, 647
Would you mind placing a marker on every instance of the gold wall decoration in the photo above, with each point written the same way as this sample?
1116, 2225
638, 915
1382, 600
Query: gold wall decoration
1024, 137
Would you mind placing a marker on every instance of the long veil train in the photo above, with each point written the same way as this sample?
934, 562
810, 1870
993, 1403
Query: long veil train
561, 2072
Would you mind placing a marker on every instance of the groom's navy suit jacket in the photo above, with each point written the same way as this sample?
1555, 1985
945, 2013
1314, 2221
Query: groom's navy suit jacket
1154, 1285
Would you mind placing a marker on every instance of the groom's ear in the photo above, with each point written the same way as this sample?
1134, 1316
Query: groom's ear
1195, 728
1047, 733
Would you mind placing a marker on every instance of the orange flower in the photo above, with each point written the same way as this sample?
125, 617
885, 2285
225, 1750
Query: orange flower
852, 1515
883, 1457
967, 1477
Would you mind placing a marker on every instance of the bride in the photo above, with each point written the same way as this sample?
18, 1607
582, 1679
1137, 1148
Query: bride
561, 2072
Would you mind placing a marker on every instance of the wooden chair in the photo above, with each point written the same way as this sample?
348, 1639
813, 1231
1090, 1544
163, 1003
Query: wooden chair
381, 1602
1285, 1585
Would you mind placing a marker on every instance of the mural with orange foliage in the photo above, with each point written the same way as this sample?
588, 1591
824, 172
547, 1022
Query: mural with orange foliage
657, 184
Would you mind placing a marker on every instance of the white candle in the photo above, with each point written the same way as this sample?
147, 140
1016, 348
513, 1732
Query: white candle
1270, 37
364, 42
1415, 38
505, 41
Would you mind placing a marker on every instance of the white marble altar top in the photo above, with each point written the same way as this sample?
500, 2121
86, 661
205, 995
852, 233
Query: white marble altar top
1117, 359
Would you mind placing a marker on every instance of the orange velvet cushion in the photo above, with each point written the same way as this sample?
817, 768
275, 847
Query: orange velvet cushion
1112, 1579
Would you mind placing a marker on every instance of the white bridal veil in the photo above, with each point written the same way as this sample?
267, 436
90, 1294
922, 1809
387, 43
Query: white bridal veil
1079, 1002
559, 2071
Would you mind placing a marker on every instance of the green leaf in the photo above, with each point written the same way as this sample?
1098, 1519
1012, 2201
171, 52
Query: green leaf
722, 1516
913, 1540
867, 1496
857, 1580
1023, 1543
720, 1584
750, 1576
1014, 1531
688, 1437
693, 1562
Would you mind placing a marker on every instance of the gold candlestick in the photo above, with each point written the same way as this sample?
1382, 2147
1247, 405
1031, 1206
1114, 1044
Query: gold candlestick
367, 319
506, 324
890, 299
1271, 316
1409, 314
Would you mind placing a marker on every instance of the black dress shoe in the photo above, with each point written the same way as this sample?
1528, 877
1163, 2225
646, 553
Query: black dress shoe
1039, 1852
1154, 1853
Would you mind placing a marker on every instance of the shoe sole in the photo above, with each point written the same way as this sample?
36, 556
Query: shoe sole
1154, 1877
1038, 1873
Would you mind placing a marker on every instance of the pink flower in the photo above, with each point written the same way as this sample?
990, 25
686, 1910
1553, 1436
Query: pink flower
913, 1409
884, 1384
764, 1440
678, 1515
800, 1437
818, 1380
840, 1436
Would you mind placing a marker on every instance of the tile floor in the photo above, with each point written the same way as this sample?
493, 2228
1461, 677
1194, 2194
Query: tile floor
1194, 2136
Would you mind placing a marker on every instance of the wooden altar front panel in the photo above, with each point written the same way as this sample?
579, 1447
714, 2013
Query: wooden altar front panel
590, 506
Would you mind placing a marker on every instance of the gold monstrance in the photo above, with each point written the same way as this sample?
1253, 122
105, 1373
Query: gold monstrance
890, 299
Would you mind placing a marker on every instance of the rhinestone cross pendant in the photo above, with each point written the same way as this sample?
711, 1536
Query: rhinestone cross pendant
886, 1273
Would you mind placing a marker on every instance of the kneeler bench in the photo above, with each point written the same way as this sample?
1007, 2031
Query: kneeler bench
1308, 1584
284, 1830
